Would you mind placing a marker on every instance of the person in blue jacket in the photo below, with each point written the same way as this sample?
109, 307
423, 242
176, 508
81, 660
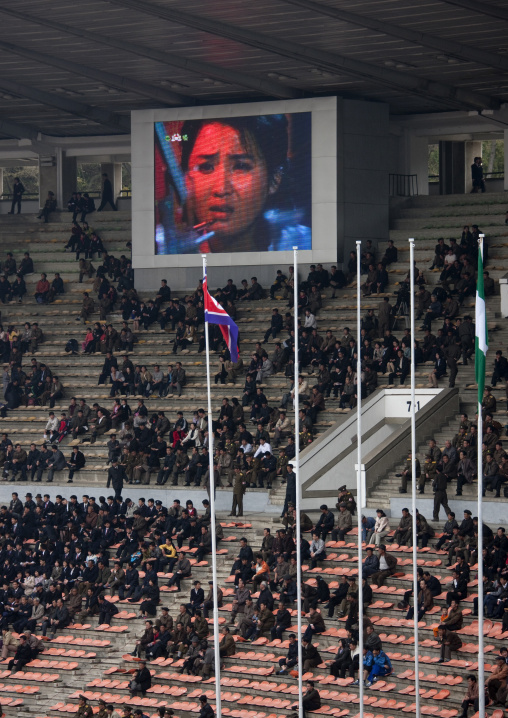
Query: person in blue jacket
381, 666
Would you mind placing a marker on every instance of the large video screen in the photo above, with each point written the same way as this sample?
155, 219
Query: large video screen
233, 184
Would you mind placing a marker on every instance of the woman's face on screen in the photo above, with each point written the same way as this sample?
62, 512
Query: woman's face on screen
227, 181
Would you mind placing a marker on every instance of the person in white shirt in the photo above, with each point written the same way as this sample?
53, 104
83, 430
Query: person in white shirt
263, 447
51, 426
310, 320
381, 529
317, 550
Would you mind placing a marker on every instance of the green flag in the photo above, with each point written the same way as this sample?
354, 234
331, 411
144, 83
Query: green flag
482, 339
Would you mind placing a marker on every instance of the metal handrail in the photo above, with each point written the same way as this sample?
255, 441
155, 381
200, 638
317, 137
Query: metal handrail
26, 195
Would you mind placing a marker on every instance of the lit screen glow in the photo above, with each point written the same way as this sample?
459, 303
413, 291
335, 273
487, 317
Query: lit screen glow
236, 184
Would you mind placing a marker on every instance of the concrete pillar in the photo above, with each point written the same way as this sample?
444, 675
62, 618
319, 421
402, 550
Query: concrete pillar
114, 172
69, 177
451, 167
416, 160
117, 179
1, 181
472, 149
455, 160
48, 177
505, 133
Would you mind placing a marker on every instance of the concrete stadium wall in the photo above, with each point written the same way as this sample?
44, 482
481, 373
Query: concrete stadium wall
386, 435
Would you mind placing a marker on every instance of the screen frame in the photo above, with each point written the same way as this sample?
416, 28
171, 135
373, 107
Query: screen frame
323, 183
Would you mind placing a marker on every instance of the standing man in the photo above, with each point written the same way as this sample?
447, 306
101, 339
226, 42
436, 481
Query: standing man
17, 194
239, 484
116, 476
290, 497
477, 175
440, 496
107, 193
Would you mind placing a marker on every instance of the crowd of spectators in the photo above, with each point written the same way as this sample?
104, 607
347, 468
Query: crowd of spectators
83, 552
66, 574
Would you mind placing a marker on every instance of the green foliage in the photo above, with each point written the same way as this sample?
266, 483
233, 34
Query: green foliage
89, 177
434, 163
126, 175
493, 156
29, 176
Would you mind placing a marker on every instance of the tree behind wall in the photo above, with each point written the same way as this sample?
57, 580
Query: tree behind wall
89, 177
493, 156
29, 176
434, 163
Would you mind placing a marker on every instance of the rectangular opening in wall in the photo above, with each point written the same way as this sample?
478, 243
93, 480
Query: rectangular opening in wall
126, 179
89, 178
29, 177
433, 164
493, 160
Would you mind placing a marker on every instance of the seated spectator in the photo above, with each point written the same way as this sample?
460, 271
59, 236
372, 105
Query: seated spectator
49, 206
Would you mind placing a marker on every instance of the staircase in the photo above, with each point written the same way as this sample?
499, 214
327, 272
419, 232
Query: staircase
389, 486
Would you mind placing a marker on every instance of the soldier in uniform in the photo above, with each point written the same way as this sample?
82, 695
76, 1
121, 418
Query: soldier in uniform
489, 403
102, 712
440, 495
406, 473
282, 462
428, 473
289, 520
347, 498
85, 710
252, 469
181, 462
465, 423
459, 438
129, 461
224, 463
239, 486
306, 437
231, 447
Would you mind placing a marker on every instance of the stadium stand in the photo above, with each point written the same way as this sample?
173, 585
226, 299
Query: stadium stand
86, 663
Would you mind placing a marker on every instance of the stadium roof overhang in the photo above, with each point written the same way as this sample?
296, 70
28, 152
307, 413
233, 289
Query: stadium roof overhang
78, 69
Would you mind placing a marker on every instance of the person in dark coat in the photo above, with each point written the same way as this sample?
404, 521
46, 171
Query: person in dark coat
142, 680
282, 622
116, 476
22, 656
477, 175
17, 194
107, 193
206, 710
75, 463
311, 699
107, 611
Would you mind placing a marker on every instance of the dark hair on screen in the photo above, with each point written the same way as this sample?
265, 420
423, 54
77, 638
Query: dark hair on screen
270, 133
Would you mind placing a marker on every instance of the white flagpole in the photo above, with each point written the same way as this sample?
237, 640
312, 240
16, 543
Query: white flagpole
359, 500
481, 658
216, 637
413, 470
296, 469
